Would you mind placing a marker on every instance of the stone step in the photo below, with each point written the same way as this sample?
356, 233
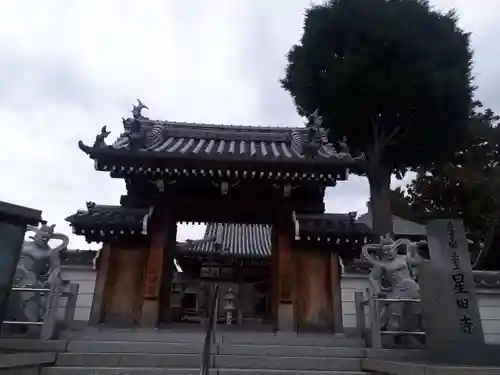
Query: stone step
87, 346
292, 351
128, 360
184, 371
135, 335
292, 340
287, 363
255, 338
218, 361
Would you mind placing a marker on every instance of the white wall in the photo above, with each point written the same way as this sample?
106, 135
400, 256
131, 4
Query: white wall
85, 278
489, 306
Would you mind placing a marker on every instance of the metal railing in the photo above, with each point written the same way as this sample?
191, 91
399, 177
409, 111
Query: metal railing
373, 303
210, 330
50, 315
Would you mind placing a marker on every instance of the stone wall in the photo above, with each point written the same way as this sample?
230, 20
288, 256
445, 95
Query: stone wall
489, 306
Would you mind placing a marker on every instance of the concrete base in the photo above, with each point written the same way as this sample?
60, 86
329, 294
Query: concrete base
406, 368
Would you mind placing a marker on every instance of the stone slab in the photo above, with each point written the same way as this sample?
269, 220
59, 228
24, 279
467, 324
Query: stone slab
128, 360
133, 347
287, 363
397, 354
119, 371
292, 351
291, 340
173, 371
26, 359
33, 345
407, 368
21, 371
141, 335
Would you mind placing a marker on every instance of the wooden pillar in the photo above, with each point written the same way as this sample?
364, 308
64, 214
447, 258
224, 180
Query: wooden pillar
120, 304
159, 268
100, 282
318, 293
336, 288
283, 278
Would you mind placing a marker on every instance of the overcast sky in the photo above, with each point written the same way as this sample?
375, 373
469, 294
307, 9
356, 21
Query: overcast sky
69, 67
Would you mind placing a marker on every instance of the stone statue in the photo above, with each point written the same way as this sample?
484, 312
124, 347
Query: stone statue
392, 276
39, 267
100, 138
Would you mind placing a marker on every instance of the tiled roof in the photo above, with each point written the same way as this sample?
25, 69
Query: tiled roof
203, 150
330, 228
224, 142
402, 227
102, 221
236, 240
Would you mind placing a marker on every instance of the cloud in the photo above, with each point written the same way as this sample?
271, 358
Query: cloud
69, 67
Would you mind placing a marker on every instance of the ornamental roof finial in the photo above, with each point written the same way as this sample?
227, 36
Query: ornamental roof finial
137, 109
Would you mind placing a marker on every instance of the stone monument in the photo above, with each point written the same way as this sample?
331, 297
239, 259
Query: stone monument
450, 306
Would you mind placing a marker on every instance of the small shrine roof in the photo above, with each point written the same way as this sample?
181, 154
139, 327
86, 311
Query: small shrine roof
100, 221
334, 228
233, 240
401, 227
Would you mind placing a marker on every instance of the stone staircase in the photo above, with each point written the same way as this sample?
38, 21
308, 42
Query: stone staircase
163, 352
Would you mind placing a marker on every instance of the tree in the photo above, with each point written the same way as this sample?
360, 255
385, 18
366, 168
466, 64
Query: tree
393, 76
468, 187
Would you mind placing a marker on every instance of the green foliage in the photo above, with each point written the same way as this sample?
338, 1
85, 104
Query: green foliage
394, 76
468, 187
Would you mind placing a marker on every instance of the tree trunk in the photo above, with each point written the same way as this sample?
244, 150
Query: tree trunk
379, 178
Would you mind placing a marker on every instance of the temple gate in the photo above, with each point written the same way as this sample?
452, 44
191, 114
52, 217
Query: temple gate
231, 175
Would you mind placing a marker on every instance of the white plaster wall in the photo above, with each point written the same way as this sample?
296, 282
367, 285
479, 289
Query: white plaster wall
489, 306
85, 278
349, 285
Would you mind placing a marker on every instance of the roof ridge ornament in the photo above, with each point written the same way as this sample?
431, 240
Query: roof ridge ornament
137, 110
100, 141
307, 142
90, 206
345, 151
